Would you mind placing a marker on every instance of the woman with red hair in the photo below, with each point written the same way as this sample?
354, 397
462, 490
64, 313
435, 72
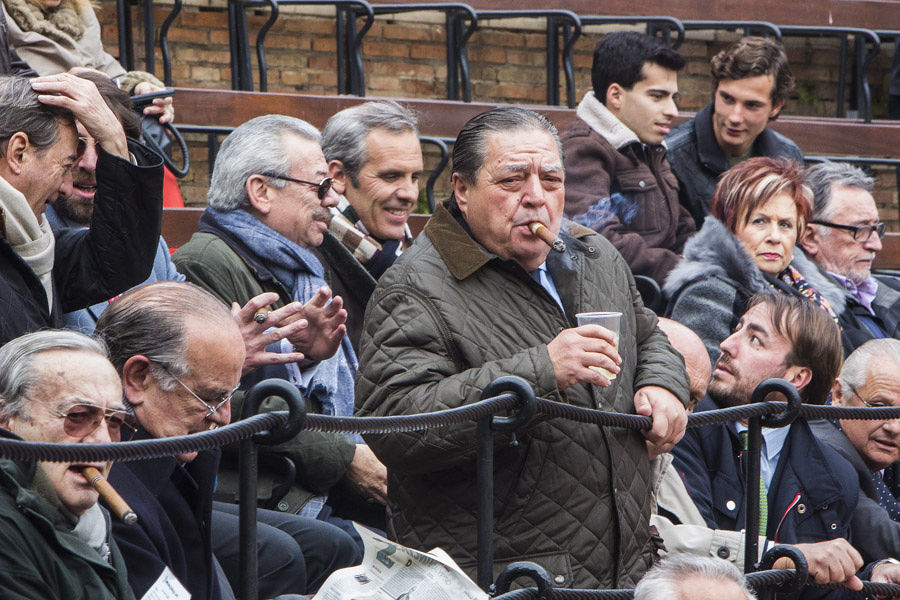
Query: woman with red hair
746, 247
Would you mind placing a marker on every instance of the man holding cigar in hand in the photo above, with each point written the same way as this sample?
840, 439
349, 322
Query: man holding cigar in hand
55, 542
480, 296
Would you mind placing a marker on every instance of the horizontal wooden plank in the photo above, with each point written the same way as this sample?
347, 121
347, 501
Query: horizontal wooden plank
444, 118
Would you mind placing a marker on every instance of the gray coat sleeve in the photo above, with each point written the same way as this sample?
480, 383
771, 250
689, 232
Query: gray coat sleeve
711, 307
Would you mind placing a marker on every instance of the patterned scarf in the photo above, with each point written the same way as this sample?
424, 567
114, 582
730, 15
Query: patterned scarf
793, 278
886, 498
296, 267
376, 256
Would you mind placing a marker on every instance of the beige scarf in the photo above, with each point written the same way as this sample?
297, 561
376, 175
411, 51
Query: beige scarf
32, 241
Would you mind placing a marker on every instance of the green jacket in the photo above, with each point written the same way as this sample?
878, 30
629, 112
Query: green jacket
40, 557
447, 319
321, 458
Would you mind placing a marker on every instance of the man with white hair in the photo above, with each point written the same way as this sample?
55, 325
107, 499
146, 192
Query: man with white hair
869, 378
843, 238
55, 542
269, 201
689, 577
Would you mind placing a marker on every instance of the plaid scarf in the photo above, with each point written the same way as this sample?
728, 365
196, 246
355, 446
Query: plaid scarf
347, 227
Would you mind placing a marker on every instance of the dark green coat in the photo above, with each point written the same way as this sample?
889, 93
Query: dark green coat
40, 557
448, 318
321, 458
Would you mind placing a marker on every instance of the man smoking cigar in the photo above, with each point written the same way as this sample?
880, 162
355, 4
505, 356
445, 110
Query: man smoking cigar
479, 296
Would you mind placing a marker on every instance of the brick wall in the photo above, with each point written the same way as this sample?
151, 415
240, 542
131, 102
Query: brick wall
404, 56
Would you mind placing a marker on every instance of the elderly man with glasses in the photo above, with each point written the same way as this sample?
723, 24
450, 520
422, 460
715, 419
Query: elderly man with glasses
869, 379
266, 215
842, 239
55, 542
180, 355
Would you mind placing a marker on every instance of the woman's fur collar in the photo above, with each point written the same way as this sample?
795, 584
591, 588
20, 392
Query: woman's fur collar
62, 24
715, 251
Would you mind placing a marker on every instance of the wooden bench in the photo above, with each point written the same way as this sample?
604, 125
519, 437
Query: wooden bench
444, 118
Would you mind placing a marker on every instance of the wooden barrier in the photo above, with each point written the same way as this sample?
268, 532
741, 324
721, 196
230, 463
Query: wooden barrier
444, 118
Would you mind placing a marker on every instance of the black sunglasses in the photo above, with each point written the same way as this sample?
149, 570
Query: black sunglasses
861, 233
321, 188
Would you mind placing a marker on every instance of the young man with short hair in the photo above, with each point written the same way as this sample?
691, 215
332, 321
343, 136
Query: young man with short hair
618, 181
751, 83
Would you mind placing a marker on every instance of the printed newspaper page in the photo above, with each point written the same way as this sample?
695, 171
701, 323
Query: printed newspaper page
390, 571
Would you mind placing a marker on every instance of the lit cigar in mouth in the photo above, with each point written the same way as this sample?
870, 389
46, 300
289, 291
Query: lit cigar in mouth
110, 495
541, 231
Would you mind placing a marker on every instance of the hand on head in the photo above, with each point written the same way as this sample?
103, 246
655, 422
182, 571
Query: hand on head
81, 97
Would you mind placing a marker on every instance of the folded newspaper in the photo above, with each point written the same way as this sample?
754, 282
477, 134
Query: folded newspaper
390, 571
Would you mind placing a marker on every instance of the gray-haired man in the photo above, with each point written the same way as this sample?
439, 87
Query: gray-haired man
843, 238
269, 199
375, 158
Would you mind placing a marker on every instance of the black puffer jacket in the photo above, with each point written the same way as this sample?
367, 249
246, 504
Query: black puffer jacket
447, 319
90, 265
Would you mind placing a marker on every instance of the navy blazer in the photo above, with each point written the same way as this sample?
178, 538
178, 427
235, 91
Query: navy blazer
173, 504
811, 498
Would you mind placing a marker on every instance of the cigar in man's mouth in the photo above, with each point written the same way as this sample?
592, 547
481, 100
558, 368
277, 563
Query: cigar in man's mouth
109, 494
541, 231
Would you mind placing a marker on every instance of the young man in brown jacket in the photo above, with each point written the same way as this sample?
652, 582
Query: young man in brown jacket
618, 181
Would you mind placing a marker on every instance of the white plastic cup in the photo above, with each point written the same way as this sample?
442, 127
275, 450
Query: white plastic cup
609, 320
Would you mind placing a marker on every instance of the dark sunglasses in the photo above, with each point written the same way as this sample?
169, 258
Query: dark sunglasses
81, 420
321, 188
861, 233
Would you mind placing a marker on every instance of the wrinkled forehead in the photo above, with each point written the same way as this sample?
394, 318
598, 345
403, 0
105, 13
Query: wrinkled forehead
522, 150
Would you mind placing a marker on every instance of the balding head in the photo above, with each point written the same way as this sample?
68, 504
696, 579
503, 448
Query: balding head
696, 358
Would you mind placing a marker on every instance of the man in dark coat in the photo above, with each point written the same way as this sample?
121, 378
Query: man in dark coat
375, 159
872, 446
618, 181
811, 491
751, 82
42, 276
180, 354
479, 296
842, 239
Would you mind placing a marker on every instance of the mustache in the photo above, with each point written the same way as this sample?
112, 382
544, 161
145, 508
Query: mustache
322, 214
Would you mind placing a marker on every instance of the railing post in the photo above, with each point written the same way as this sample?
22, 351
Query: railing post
485, 466
752, 458
247, 470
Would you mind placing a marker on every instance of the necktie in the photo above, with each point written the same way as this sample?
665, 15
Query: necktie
763, 495
885, 498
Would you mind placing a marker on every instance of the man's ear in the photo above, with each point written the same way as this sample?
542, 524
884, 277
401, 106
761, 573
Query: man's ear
615, 95
460, 193
810, 240
137, 379
259, 192
799, 377
14, 158
837, 393
776, 108
338, 174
